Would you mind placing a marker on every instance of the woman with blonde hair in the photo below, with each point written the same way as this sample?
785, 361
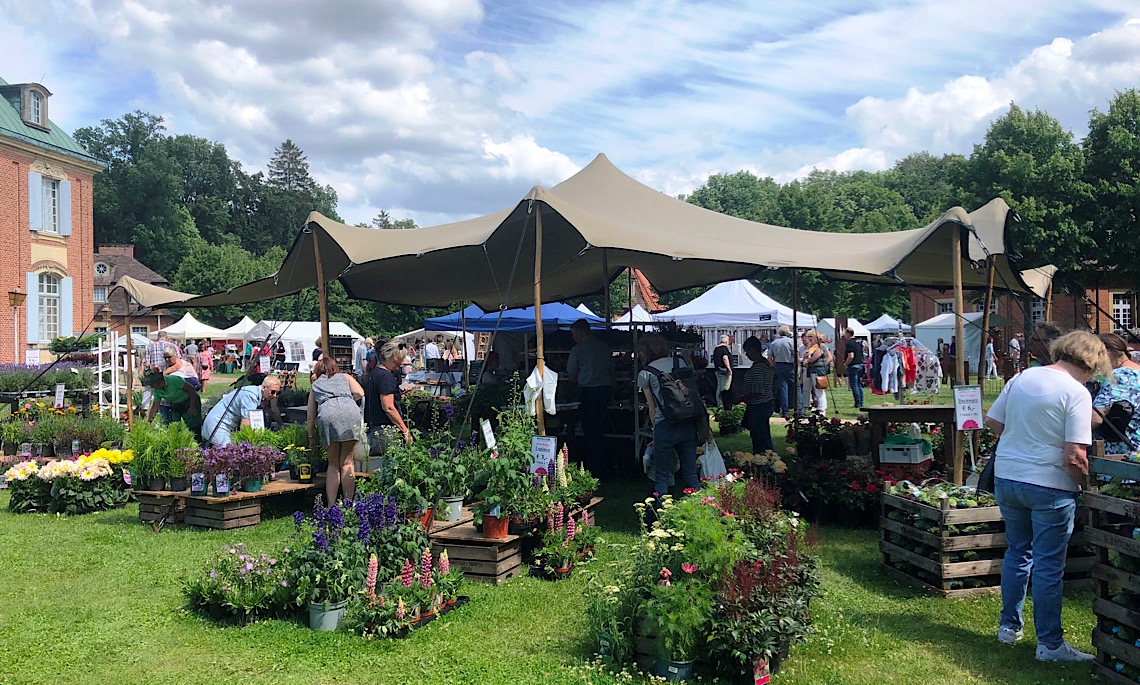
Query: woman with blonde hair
1124, 388
816, 364
1043, 418
332, 407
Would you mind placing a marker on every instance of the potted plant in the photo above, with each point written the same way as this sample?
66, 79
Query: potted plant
377, 614
193, 469
253, 463
410, 476
326, 566
65, 432
453, 468
13, 433
43, 434
679, 614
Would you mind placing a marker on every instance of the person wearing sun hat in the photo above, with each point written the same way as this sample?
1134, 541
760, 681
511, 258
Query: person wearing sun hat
185, 402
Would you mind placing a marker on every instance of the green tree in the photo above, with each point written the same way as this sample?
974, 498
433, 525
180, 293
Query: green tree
1112, 153
927, 184
289, 169
1032, 162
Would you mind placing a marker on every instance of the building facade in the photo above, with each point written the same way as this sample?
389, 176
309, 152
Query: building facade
46, 227
115, 309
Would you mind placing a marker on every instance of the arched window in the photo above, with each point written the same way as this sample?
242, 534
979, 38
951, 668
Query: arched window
36, 107
49, 306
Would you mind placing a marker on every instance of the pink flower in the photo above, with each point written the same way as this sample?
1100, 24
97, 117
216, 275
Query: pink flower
550, 520
425, 568
570, 530
559, 517
408, 572
689, 568
370, 581
401, 611
665, 572
871, 488
855, 486
585, 519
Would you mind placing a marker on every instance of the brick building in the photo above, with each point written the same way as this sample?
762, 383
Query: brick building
1069, 311
45, 226
112, 262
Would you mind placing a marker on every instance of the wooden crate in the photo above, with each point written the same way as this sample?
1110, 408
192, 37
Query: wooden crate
481, 559
152, 508
1111, 527
952, 563
238, 510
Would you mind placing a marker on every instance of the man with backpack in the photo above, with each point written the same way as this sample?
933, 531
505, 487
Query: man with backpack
675, 405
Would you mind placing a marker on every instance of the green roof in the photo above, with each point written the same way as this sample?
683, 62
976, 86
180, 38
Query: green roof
12, 126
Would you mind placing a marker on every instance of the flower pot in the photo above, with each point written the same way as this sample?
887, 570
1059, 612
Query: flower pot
495, 527
63, 451
674, 671
327, 620
454, 508
177, 484
251, 484
305, 473
605, 646
425, 519
10, 448
156, 483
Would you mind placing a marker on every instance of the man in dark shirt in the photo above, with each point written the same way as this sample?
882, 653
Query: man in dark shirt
722, 363
855, 364
383, 401
759, 387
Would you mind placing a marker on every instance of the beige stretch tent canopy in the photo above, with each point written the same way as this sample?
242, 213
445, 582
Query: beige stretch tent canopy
595, 224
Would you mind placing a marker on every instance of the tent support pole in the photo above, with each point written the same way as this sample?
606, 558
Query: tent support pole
795, 401
1049, 302
986, 326
322, 296
130, 360
463, 322
606, 287
960, 350
539, 343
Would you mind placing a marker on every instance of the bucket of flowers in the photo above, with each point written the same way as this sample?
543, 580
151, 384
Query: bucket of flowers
327, 565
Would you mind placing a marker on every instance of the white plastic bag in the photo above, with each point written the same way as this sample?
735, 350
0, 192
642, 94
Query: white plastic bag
712, 463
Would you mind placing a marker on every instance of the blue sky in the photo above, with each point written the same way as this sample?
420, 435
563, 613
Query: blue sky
451, 108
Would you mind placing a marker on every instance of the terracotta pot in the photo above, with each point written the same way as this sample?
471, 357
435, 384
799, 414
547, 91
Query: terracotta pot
495, 527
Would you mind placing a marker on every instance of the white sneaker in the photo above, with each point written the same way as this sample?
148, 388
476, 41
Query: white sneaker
1009, 636
1066, 652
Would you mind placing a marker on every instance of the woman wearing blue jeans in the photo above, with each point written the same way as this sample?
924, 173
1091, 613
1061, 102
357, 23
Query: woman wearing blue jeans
1043, 418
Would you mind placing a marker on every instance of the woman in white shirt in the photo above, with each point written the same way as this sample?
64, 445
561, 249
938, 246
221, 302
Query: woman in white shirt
1043, 418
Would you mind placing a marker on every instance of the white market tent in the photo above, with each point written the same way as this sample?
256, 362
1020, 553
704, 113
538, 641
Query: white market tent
421, 335
888, 324
300, 338
189, 328
637, 315
735, 308
929, 332
827, 327
239, 329
585, 310
735, 304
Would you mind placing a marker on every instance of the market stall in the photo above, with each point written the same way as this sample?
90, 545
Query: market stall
300, 339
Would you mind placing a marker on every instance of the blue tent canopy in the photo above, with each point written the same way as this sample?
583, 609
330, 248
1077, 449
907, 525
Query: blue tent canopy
554, 315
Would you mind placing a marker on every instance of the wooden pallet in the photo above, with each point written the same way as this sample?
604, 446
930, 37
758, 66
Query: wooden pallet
152, 508
238, 510
898, 561
482, 559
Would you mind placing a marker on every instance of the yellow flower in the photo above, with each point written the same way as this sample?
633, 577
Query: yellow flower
71, 408
40, 404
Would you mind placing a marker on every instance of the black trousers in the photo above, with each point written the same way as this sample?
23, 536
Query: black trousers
593, 405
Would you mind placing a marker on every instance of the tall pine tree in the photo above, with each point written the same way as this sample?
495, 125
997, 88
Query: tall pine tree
289, 169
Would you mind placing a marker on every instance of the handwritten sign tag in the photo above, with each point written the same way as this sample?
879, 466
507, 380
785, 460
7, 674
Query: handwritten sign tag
263, 364
257, 419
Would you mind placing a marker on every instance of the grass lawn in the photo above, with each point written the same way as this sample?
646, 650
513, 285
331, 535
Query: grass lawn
95, 599
839, 399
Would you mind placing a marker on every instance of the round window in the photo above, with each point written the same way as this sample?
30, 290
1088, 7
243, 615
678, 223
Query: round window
101, 269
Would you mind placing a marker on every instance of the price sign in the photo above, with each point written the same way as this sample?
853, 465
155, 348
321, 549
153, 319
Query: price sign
488, 434
263, 364
543, 450
968, 407
32, 357
59, 388
257, 419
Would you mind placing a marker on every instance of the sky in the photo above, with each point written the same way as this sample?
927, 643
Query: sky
445, 109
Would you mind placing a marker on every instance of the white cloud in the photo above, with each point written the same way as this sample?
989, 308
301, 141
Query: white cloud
447, 108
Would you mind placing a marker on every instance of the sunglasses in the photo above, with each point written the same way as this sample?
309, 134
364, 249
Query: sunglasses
274, 393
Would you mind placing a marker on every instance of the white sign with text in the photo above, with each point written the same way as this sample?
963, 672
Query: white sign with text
543, 450
968, 407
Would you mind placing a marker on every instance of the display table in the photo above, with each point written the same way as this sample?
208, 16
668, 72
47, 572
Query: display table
239, 510
912, 413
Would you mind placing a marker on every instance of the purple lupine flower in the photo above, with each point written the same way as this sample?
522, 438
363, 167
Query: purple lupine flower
390, 512
462, 444
449, 411
321, 542
536, 481
364, 531
335, 519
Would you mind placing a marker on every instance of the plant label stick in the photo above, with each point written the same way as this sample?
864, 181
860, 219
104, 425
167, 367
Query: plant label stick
263, 364
59, 388
257, 419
